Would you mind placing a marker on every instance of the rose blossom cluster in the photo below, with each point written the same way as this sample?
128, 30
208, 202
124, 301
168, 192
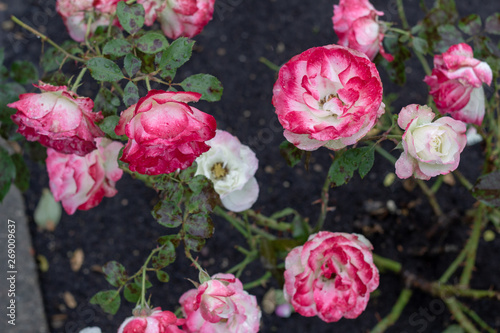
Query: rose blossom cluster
178, 18
357, 26
151, 321
456, 84
231, 167
328, 96
220, 305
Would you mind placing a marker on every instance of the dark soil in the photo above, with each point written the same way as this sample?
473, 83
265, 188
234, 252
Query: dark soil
121, 228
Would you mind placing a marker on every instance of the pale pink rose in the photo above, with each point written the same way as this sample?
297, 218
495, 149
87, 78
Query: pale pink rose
152, 8
81, 182
430, 148
185, 18
165, 133
356, 24
58, 119
328, 96
231, 167
220, 305
331, 276
456, 84
152, 321
75, 13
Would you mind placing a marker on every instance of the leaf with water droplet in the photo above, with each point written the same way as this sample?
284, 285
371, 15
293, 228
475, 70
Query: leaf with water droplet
130, 94
132, 64
103, 69
176, 55
152, 42
207, 85
117, 47
131, 17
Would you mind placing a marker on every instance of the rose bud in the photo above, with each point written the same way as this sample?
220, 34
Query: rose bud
81, 182
456, 84
328, 96
58, 119
165, 134
231, 167
331, 276
430, 148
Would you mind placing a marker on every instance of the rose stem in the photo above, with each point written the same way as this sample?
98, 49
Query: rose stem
259, 282
430, 196
45, 39
269, 222
237, 223
238, 268
465, 182
402, 15
472, 246
148, 85
396, 310
324, 205
76, 84
118, 88
454, 307
454, 265
472, 314
269, 64
143, 284
383, 263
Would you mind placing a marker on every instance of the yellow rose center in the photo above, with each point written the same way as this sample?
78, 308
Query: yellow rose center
219, 171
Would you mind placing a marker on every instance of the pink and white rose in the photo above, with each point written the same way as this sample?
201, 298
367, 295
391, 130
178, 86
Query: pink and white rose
331, 276
456, 84
220, 305
185, 18
152, 8
81, 182
356, 24
430, 148
152, 321
328, 96
231, 167
58, 118
165, 133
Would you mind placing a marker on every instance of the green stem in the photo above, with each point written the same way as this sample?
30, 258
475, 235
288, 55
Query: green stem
461, 178
402, 15
423, 61
238, 268
46, 39
430, 196
385, 264
454, 266
446, 290
148, 85
324, 204
259, 282
239, 225
385, 154
395, 313
143, 284
269, 222
437, 184
118, 88
269, 64
474, 316
76, 84
454, 307
472, 246
399, 31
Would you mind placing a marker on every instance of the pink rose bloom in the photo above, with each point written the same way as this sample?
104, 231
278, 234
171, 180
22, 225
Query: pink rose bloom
356, 24
430, 148
231, 167
220, 305
152, 8
73, 14
456, 84
58, 119
80, 182
328, 96
152, 321
331, 276
165, 134
185, 18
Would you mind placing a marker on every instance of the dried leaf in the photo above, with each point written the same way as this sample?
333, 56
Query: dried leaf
76, 260
69, 299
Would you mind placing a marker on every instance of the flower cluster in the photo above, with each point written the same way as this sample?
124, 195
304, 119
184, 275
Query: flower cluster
149, 321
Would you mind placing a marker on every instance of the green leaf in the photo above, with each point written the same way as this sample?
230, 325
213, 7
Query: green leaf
48, 212
103, 69
130, 94
131, 17
115, 273
420, 45
177, 54
487, 189
344, 165
53, 58
207, 85
193, 243
199, 225
167, 213
162, 276
107, 102
449, 36
174, 239
132, 64
23, 72
165, 256
471, 24
152, 42
132, 292
290, 153
117, 47
22, 180
2, 55
7, 172
454, 329
108, 126
108, 300
56, 78
492, 24
203, 202
9, 92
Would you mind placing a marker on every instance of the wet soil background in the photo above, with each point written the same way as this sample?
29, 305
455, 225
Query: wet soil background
121, 228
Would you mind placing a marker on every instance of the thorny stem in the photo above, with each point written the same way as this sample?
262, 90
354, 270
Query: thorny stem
454, 307
383, 263
324, 204
269, 222
143, 283
194, 261
46, 39
461, 178
269, 64
76, 84
148, 85
395, 313
454, 266
402, 15
259, 282
431, 197
474, 316
472, 246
